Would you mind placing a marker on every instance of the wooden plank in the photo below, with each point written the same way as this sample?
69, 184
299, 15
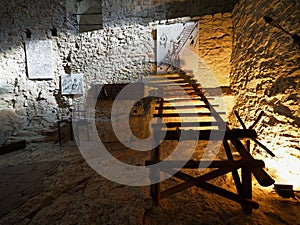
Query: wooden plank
171, 100
240, 119
247, 182
205, 177
263, 147
176, 89
194, 164
257, 119
184, 107
235, 173
189, 124
199, 114
11, 147
229, 195
219, 191
170, 93
261, 176
155, 173
206, 134
168, 85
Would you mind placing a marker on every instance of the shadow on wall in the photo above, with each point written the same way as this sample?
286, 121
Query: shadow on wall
17, 17
163, 10
178, 9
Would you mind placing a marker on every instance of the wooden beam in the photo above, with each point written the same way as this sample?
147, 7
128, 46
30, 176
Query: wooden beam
235, 173
189, 124
240, 119
247, 182
171, 100
194, 164
257, 119
199, 114
263, 147
205, 177
219, 191
261, 176
206, 134
11, 147
155, 173
185, 107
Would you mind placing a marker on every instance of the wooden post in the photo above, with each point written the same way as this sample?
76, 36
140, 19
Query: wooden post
71, 129
59, 132
247, 183
154, 176
235, 173
155, 158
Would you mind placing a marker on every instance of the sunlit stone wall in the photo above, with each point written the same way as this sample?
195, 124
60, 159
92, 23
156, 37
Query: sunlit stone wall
265, 75
118, 53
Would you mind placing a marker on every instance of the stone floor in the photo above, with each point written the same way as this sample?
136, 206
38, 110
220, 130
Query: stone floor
51, 184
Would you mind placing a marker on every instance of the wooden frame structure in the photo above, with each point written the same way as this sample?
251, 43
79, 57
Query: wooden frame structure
231, 138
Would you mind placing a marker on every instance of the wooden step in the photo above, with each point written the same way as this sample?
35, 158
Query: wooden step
166, 100
193, 164
176, 89
169, 85
189, 124
206, 134
181, 93
184, 107
186, 114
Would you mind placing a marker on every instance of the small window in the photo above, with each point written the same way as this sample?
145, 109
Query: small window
89, 15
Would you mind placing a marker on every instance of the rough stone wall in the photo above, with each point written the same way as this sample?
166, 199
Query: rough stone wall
266, 76
215, 45
25, 99
120, 52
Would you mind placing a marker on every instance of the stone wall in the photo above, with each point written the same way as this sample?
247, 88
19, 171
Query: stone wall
118, 53
266, 76
215, 45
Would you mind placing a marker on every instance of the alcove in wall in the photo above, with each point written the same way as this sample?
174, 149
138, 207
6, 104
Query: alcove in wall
89, 15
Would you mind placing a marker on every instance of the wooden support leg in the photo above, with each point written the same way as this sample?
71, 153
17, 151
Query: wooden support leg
59, 133
154, 176
235, 174
155, 157
247, 183
71, 130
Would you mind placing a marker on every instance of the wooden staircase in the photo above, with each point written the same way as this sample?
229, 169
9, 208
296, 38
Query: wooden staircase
196, 113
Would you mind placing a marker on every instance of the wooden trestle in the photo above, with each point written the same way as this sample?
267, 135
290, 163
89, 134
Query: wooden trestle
174, 129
